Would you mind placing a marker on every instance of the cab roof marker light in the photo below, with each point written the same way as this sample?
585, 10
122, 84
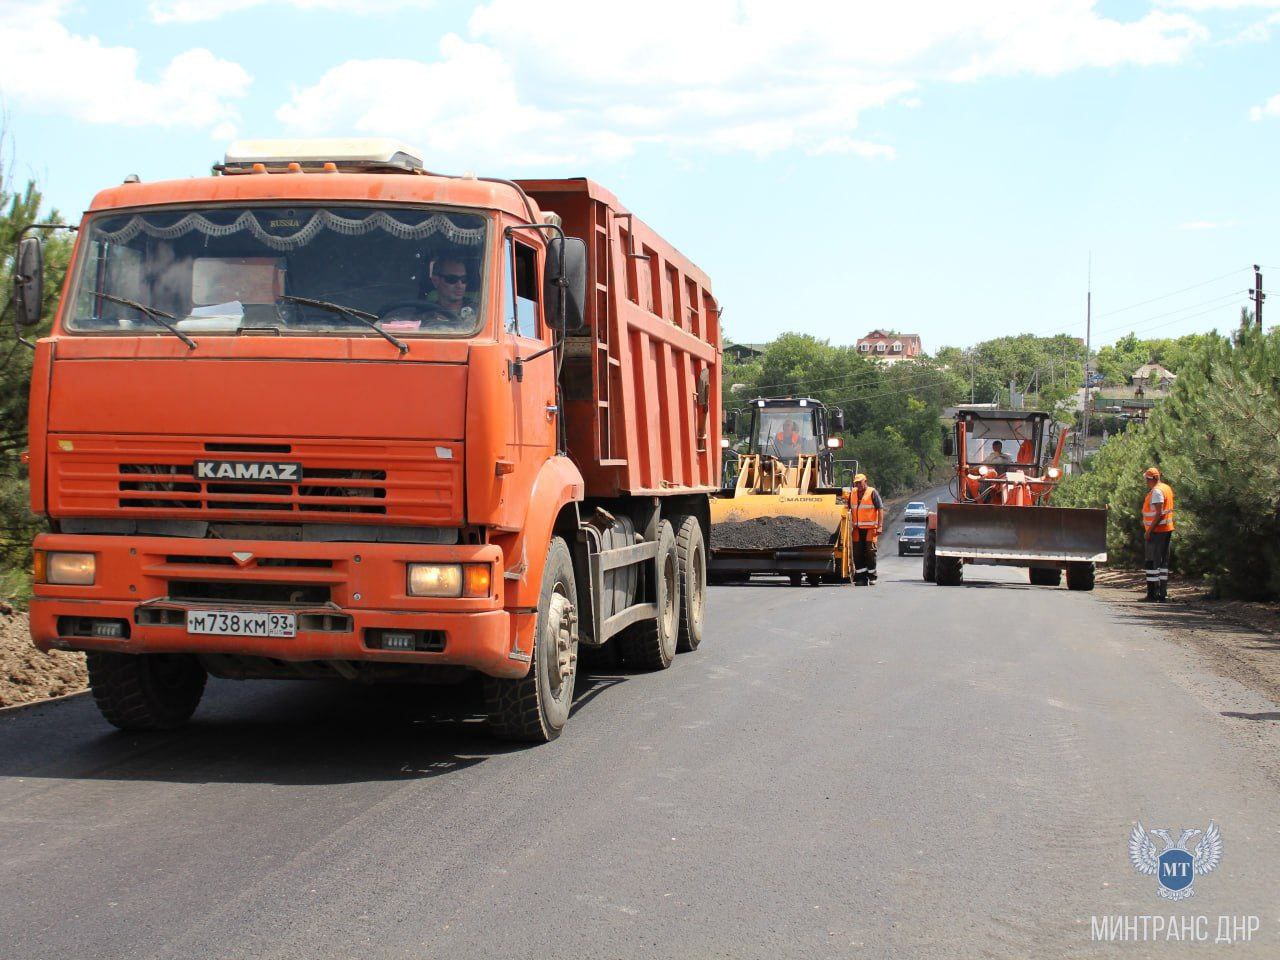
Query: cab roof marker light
350, 153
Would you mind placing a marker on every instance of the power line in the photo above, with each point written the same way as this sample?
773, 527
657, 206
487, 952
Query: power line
1166, 296
1234, 294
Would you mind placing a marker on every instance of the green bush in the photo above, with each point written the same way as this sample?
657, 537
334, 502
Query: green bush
1217, 442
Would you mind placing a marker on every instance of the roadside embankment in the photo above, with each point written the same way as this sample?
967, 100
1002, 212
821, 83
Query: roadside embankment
26, 674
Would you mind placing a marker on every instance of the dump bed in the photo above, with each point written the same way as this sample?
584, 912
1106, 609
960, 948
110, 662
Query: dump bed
642, 380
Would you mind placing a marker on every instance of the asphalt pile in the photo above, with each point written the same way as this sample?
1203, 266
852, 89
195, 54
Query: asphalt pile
769, 533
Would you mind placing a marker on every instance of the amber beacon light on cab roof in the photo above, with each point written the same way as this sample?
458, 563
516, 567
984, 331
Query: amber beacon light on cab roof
327, 414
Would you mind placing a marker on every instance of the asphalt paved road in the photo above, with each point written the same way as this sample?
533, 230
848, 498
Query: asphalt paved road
906, 770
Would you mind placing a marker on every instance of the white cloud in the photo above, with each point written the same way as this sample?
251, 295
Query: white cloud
1269, 109
1208, 224
200, 11
582, 79
47, 67
461, 108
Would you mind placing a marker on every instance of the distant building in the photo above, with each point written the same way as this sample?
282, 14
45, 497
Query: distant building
745, 352
890, 346
1152, 377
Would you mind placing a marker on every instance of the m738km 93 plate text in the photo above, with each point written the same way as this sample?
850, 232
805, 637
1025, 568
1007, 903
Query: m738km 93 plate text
242, 623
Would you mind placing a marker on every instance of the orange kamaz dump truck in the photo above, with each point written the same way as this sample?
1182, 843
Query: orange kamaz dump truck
326, 414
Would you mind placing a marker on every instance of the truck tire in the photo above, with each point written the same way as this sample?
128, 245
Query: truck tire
930, 560
797, 579
146, 691
691, 551
651, 644
1044, 576
1080, 576
535, 707
949, 571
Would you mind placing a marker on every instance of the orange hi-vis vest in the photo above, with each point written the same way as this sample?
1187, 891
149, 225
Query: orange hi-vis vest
795, 437
1149, 512
865, 514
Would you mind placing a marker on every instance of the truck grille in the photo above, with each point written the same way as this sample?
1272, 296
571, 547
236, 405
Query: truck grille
321, 491
403, 482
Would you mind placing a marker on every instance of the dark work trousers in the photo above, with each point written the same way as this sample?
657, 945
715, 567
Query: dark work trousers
864, 556
1157, 561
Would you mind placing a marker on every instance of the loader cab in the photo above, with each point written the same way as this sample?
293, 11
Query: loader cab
788, 428
1005, 439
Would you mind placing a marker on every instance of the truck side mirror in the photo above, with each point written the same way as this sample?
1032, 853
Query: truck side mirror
948, 446
567, 265
28, 282
837, 420
730, 421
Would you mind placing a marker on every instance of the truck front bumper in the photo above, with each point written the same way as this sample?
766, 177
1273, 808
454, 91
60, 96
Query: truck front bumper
145, 585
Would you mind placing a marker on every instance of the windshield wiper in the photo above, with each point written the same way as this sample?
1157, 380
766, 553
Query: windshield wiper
151, 313
368, 319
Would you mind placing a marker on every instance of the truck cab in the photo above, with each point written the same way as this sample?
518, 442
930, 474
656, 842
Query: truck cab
306, 417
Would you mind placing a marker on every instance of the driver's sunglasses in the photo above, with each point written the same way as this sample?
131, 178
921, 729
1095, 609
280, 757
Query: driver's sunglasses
451, 278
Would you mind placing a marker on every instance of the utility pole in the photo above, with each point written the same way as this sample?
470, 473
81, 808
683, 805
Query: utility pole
1088, 352
1257, 296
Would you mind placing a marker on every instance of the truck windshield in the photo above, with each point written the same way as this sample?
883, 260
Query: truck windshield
224, 269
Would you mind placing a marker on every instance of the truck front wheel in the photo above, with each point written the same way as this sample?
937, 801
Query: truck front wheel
146, 691
536, 707
930, 571
651, 644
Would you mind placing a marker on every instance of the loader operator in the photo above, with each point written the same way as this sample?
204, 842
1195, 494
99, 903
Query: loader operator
868, 524
787, 441
1157, 521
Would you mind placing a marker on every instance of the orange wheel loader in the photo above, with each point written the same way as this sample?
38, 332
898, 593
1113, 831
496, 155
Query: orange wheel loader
1007, 464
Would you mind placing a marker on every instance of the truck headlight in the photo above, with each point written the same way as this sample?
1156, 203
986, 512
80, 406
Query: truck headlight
449, 580
435, 580
69, 569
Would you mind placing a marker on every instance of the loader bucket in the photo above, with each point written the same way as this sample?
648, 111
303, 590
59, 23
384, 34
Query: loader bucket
775, 521
776, 532
1001, 534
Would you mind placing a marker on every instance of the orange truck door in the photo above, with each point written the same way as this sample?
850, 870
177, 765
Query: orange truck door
534, 416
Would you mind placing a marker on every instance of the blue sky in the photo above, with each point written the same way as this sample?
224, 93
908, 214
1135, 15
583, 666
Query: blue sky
937, 167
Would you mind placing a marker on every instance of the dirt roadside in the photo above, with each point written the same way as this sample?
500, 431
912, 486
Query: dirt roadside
1241, 640
26, 674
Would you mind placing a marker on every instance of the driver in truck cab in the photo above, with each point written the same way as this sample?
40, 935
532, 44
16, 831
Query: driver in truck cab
447, 304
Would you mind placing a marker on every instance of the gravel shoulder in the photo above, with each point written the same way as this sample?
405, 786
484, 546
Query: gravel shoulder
26, 674
1240, 639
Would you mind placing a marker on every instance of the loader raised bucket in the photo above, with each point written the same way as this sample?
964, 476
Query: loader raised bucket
1021, 535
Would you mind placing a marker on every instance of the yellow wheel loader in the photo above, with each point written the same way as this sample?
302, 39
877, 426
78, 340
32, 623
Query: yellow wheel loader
780, 510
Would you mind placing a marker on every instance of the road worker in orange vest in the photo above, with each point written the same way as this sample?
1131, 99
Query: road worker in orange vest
1157, 523
868, 523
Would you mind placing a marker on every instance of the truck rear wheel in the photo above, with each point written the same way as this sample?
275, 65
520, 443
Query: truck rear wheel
950, 571
691, 551
146, 691
930, 561
651, 644
1045, 576
535, 708
1080, 576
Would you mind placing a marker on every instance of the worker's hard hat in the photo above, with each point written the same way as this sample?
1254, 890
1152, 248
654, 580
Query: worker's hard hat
1152, 472
859, 477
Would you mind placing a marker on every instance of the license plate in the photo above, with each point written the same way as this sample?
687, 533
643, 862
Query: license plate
241, 623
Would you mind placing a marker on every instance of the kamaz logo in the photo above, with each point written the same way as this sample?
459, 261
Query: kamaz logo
247, 470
